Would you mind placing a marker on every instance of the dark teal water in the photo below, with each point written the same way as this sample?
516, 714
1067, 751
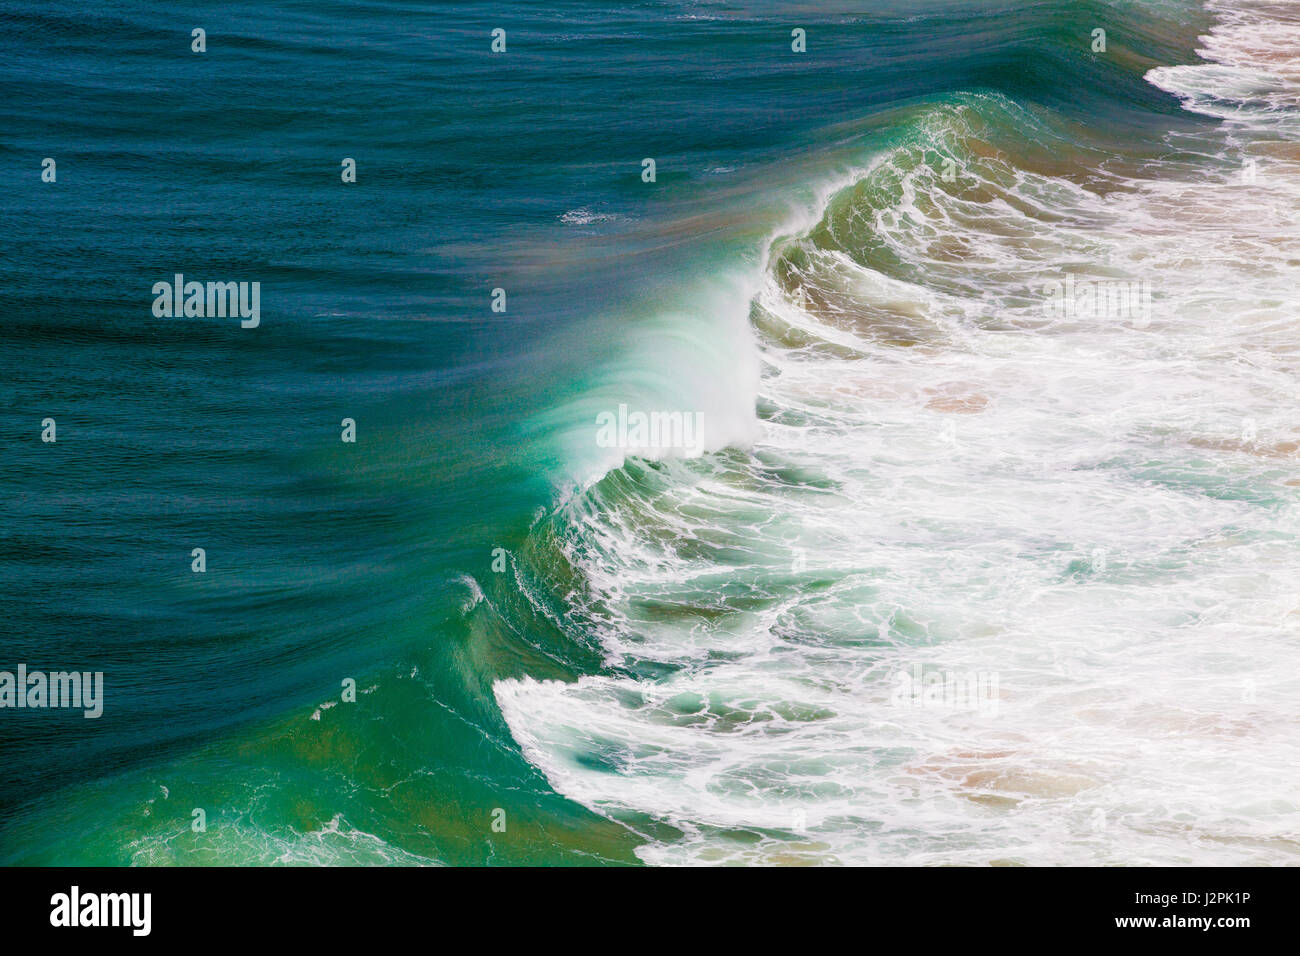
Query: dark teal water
372, 560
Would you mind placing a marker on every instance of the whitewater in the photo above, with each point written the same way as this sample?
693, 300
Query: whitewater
942, 477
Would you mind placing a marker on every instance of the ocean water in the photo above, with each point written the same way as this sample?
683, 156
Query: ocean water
909, 463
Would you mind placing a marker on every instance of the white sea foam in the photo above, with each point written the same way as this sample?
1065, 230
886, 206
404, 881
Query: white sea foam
1103, 514
586, 216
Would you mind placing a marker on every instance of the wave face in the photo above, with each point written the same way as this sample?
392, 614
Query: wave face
984, 549
1083, 521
